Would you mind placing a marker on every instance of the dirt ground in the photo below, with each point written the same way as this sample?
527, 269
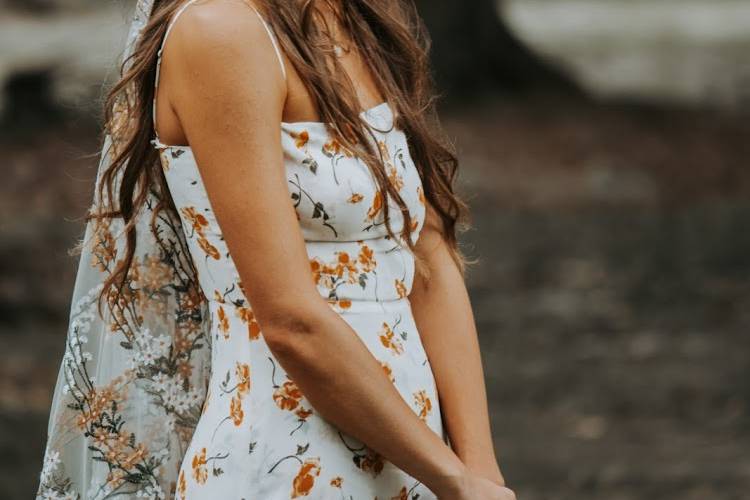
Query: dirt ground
611, 295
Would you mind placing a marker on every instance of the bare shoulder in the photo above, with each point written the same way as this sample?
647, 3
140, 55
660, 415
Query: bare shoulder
210, 33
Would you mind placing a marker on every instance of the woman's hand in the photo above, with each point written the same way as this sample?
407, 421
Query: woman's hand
485, 467
491, 490
473, 487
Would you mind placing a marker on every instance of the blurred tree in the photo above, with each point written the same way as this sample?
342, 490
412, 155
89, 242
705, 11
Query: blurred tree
474, 49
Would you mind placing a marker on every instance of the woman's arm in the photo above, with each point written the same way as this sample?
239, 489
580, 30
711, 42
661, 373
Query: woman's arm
445, 322
227, 90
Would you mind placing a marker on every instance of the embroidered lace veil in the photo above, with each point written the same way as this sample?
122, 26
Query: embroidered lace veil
132, 380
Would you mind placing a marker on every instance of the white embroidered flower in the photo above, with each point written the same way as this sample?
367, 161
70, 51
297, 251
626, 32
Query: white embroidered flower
169, 422
151, 491
49, 494
148, 350
161, 345
161, 454
51, 461
181, 404
161, 381
195, 397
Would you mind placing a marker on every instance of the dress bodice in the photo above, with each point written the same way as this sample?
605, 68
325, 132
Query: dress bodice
338, 205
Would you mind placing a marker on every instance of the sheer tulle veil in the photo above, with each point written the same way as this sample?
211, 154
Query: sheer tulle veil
132, 381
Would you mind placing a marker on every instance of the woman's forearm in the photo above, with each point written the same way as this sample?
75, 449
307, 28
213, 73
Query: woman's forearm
444, 318
347, 386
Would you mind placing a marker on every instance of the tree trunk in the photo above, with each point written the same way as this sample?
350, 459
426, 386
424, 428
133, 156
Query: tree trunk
474, 50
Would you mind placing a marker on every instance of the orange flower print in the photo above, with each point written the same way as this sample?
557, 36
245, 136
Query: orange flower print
396, 179
400, 288
402, 495
207, 247
389, 340
327, 274
388, 371
181, 486
245, 314
300, 140
340, 305
345, 264
288, 396
200, 472
420, 195
248, 317
393, 175
317, 270
366, 258
235, 410
336, 481
305, 479
423, 403
344, 269
383, 147
303, 413
242, 371
334, 147
377, 205
331, 147
371, 462
356, 198
164, 160
223, 322
199, 223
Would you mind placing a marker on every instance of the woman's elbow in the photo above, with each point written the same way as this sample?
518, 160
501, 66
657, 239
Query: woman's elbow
285, 328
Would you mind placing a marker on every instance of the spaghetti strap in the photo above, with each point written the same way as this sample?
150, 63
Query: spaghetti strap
274, 41
156, 142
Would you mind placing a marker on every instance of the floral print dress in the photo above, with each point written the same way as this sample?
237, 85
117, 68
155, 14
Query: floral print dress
257, 436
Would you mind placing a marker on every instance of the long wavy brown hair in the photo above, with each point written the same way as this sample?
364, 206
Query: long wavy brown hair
390, 37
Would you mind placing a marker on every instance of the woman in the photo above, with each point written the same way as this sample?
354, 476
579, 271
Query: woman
204, 362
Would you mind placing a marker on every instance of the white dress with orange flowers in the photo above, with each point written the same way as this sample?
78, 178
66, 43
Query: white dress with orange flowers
258, 437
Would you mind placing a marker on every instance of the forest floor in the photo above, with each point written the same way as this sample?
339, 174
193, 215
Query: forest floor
611, 295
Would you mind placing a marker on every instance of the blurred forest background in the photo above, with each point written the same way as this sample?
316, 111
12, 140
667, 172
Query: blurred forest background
605, 149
